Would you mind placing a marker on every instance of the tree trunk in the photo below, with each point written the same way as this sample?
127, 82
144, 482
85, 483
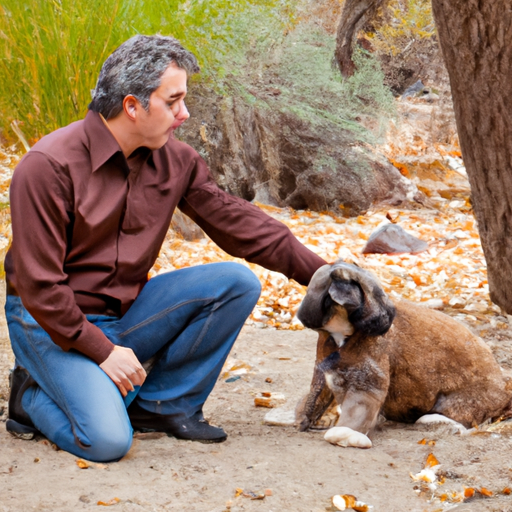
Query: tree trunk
353, 16
476, 40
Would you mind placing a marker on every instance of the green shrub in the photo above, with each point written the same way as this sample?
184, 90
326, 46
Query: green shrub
51, 51
311, 87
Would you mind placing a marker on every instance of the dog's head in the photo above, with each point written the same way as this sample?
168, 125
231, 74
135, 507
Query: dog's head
344, 298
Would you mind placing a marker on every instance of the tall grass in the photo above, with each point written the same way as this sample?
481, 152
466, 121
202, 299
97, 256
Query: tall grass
51, 51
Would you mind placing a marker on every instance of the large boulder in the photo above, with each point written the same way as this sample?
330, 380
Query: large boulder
260, 152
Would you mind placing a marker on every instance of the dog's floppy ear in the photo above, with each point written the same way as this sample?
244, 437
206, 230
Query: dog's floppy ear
311, 312
369, 309
347, 294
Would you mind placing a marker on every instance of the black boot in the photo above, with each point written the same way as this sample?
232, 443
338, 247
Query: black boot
195, 428
19, 423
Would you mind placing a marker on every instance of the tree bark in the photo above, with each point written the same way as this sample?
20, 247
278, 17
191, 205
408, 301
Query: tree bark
353, 16
476, 40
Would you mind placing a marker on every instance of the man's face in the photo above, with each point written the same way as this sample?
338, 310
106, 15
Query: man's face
167, 109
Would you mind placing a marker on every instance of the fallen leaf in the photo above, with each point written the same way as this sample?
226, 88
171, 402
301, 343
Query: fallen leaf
254, 495
431, 461
425, 475
469, 492
113, 501
348, 501
339, 502
83, 464
427, 442
269, 400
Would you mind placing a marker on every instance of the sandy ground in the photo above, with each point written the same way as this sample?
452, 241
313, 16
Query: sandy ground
299, 471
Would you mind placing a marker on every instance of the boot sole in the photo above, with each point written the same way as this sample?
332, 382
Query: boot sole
203, 441
20, 431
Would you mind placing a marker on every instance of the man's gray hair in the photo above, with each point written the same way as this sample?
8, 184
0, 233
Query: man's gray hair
136, 68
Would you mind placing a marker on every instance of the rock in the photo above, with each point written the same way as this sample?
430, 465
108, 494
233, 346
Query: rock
262, 153
280, 417
392, 239
413, 90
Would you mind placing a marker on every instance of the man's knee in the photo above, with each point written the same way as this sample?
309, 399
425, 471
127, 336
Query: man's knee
242, 279
109, 443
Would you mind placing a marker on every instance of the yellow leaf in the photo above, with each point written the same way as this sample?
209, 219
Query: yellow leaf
113, 501
469, 492
431, 461
82, 464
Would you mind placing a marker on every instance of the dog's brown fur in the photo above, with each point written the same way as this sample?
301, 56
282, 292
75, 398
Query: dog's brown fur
421, 362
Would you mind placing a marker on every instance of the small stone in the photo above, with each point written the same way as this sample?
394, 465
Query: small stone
392, 239
280, 417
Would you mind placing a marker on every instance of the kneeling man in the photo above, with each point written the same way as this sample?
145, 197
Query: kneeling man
91, 204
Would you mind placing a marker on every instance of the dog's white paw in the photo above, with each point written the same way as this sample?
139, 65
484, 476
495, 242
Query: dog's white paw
429, 419
345, 436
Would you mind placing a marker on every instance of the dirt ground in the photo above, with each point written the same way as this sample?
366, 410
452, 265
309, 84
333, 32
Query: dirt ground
299, 471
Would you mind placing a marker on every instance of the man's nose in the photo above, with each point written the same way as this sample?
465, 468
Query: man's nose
183, 114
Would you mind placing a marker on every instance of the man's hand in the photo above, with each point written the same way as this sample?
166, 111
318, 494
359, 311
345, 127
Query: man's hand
125, 370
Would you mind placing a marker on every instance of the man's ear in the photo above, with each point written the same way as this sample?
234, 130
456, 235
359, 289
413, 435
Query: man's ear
131, 105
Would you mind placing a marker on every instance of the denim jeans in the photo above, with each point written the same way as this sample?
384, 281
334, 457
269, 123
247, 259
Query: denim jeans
189, 317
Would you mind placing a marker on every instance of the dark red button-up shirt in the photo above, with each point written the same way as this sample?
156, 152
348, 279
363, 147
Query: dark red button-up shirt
87, 228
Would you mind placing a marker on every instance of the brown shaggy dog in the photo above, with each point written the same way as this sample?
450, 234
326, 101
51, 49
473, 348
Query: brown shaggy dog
395, 358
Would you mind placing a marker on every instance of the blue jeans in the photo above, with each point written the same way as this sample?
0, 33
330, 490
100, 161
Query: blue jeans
189, 317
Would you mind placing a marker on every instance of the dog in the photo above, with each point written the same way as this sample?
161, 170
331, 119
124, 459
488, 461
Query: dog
404, 361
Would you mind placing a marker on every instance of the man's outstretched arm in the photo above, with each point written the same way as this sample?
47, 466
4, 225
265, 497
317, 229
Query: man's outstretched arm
244, 230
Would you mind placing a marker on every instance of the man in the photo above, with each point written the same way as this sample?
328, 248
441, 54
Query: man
91, 204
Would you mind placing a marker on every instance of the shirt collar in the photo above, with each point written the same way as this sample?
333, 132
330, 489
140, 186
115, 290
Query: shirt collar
102, 144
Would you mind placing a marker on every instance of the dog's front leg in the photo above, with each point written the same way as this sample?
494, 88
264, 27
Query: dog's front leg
311, 408
359, 414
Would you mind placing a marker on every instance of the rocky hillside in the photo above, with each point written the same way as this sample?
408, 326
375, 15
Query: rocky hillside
286, 130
